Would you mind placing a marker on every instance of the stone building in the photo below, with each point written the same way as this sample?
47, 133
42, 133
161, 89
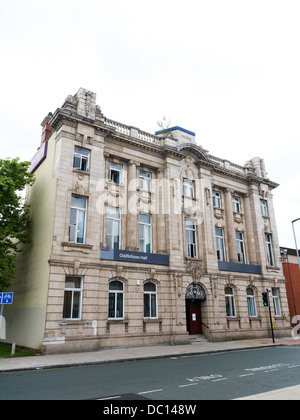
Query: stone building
142, 239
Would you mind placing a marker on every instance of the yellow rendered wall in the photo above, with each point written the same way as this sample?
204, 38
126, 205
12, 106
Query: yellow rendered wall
25, 318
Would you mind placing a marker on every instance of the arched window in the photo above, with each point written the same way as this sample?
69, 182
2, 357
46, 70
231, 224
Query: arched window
251, 302
150, 300
116, 300
230, 301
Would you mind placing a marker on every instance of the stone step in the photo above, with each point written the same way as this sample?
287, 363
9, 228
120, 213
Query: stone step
198, 338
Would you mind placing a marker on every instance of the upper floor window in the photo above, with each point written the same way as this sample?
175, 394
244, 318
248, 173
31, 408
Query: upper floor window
81, 159
270, 257
145, 232
145, 181
72, 298
188, 188
113, 229
77, 219
263, 208
236, 202
191, 238
216, 197
240, 247
115, 173
220, 244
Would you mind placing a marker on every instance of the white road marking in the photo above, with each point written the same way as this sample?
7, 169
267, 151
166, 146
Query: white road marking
181, 386
217, 380
148, 392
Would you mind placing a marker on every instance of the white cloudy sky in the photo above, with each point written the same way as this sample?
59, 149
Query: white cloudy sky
229, 70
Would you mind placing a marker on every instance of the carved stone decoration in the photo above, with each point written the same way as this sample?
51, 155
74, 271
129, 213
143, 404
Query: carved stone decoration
207, 196
238, 217
196, 273
177, 281
195, 291
219, 213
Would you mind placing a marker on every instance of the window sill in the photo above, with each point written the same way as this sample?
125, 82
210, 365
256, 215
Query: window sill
273, 268
152, 320
193, 259
71, 246
117, 321
65, 322
81, 172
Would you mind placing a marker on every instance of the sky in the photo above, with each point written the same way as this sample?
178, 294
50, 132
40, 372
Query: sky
228, 70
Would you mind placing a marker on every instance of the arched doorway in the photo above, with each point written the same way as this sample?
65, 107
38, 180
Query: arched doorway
195, 295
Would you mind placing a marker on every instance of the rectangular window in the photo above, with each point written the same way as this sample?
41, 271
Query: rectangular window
230, 302
81, 159
145, 233
251, 302
240, 247
115, 173
113, 228
270, 258
116, 300
77, 220
276, 301
220, 244
236, 204
216, 197
145, 181
72, 298
150, 300
188, 188
191, 238
263, 208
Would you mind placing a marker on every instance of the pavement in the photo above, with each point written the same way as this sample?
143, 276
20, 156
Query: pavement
150, 352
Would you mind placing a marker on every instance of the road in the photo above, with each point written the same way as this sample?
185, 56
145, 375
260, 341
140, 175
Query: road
215, 376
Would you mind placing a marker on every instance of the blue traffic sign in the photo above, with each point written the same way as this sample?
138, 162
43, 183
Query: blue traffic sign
6, 298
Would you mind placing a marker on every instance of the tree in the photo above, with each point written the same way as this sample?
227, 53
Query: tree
164, 124
14, 215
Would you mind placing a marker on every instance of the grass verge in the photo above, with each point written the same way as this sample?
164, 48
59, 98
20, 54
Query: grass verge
5, 351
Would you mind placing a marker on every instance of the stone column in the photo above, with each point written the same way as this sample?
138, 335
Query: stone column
232, 250
131, 233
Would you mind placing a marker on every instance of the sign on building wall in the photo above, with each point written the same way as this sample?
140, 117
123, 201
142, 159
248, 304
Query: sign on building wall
133, 256
39, 157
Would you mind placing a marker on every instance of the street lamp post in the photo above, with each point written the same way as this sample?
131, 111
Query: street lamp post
293, 221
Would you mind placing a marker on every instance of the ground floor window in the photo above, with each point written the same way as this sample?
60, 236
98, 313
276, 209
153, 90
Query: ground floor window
251, 302
150, 300
72, 298
116, 300
230, 301
276, 301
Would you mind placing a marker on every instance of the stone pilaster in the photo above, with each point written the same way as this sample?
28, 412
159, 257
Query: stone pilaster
251, 247
131, 233
231, 249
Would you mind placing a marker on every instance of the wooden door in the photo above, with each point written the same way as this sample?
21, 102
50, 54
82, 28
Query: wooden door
195, 318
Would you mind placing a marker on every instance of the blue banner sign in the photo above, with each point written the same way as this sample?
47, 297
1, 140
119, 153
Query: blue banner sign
6, 298
133, 256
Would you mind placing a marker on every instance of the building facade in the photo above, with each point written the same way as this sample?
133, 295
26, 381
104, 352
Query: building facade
292, 275
142, 239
